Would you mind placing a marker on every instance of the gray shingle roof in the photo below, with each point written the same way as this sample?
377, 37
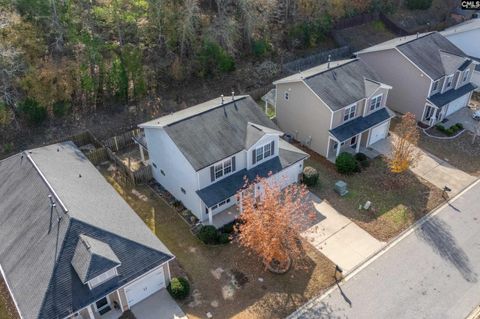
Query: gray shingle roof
343, 85
441, 99
433, 54
213, 132
360, 124
37, 244
227, 187
93, 257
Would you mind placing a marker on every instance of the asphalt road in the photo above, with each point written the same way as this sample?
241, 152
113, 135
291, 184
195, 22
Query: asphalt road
433, 272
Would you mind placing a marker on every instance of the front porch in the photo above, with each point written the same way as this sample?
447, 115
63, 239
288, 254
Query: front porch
224, 217
109, 307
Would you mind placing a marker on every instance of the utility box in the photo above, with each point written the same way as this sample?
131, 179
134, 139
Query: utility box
341, 188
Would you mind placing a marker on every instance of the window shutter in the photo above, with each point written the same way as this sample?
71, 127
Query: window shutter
212, 173
254, 156
233, 163
272, 148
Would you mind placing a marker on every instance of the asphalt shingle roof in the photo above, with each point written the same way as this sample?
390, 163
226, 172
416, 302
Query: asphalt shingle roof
441, 99
360, 124
344, 85
227, 187
212, 131
433, 54
37, 244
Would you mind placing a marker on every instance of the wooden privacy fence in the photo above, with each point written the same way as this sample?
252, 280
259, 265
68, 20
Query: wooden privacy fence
121, 141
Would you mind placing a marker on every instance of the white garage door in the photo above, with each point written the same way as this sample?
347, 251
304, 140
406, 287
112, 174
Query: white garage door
457, 104
145, 286
379, 132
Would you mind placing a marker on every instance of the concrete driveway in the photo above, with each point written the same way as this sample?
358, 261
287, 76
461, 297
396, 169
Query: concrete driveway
463, 116
160, 305
338, 238
433, 169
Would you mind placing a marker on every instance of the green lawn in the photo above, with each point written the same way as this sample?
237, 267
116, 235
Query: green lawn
396, 202
211, 269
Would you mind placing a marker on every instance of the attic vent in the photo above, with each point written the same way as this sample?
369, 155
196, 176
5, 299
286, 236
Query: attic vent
85, 242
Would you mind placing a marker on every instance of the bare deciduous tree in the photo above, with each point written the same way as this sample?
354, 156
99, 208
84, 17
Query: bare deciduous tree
404, 151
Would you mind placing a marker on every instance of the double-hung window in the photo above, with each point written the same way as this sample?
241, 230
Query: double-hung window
227, 166
263, 152
218, 170
435, 86
449, 81
349, 112
375, 102
222, 169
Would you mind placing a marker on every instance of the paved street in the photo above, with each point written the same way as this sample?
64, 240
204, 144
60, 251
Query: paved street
432, 273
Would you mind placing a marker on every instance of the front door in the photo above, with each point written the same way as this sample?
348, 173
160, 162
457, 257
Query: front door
103, 306
429, 112
353, 142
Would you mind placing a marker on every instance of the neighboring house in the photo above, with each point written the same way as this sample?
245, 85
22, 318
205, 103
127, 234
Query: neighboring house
202, 154
466, 36
431, 77
334, 107
70, 246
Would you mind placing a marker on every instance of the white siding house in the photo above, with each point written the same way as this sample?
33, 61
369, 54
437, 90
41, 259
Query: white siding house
203, 154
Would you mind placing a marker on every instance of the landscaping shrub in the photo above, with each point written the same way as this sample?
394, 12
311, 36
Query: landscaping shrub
310, 176
34, 112
224, 238
459, 126
228, 228
362, 159
60, 108
451, 130
209, 235
346, 163
418, 4
179, 288
307, 34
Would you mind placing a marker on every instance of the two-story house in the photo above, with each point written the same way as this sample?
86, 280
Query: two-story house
334, 107
203, 154
431, 76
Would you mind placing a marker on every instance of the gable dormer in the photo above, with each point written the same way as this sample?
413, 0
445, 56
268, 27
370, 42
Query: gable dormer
94, 261
261, 144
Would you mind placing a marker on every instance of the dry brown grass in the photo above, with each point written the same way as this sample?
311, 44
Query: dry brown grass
211, 269
7, 307
396, 202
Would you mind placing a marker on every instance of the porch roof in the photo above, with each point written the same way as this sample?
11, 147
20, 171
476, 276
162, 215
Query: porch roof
360, 124
229, 186
440, 99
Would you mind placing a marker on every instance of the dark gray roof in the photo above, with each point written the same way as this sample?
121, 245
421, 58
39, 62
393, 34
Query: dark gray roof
37, 245
433, 54
343, 85
217, 133
227, 187
93, 257
360, 124
441, 99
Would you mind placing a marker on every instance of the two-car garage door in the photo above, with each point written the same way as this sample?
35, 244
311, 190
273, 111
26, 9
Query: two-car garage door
145, 286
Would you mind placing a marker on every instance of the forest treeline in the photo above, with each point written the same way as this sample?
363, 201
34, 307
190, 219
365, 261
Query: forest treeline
64, 56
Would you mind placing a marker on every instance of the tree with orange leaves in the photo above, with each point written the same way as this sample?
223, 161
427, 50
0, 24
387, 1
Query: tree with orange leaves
271, 220
404, 141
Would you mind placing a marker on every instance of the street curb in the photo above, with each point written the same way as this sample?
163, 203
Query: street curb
383, 250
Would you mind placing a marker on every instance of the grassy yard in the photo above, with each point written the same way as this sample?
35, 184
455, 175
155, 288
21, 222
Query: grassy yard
460, 152
7, 308
396, 203
212, 269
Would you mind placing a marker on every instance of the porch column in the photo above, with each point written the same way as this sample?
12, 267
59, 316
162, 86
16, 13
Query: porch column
359, 140
120, 300
210, 217
266, 106
141, 153
434, 116
338, 148
90, 312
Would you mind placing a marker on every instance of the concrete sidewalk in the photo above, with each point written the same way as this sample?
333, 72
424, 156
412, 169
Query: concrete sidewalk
433, 169
340, 239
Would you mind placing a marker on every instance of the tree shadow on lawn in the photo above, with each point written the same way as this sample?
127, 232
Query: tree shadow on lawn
397, 201
437, 234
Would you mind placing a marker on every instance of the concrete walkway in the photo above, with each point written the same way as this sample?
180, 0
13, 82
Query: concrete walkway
433, 169
160, 305
338, 238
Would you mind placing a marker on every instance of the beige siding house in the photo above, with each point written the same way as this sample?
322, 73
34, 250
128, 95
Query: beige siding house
431, 77
334, 107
